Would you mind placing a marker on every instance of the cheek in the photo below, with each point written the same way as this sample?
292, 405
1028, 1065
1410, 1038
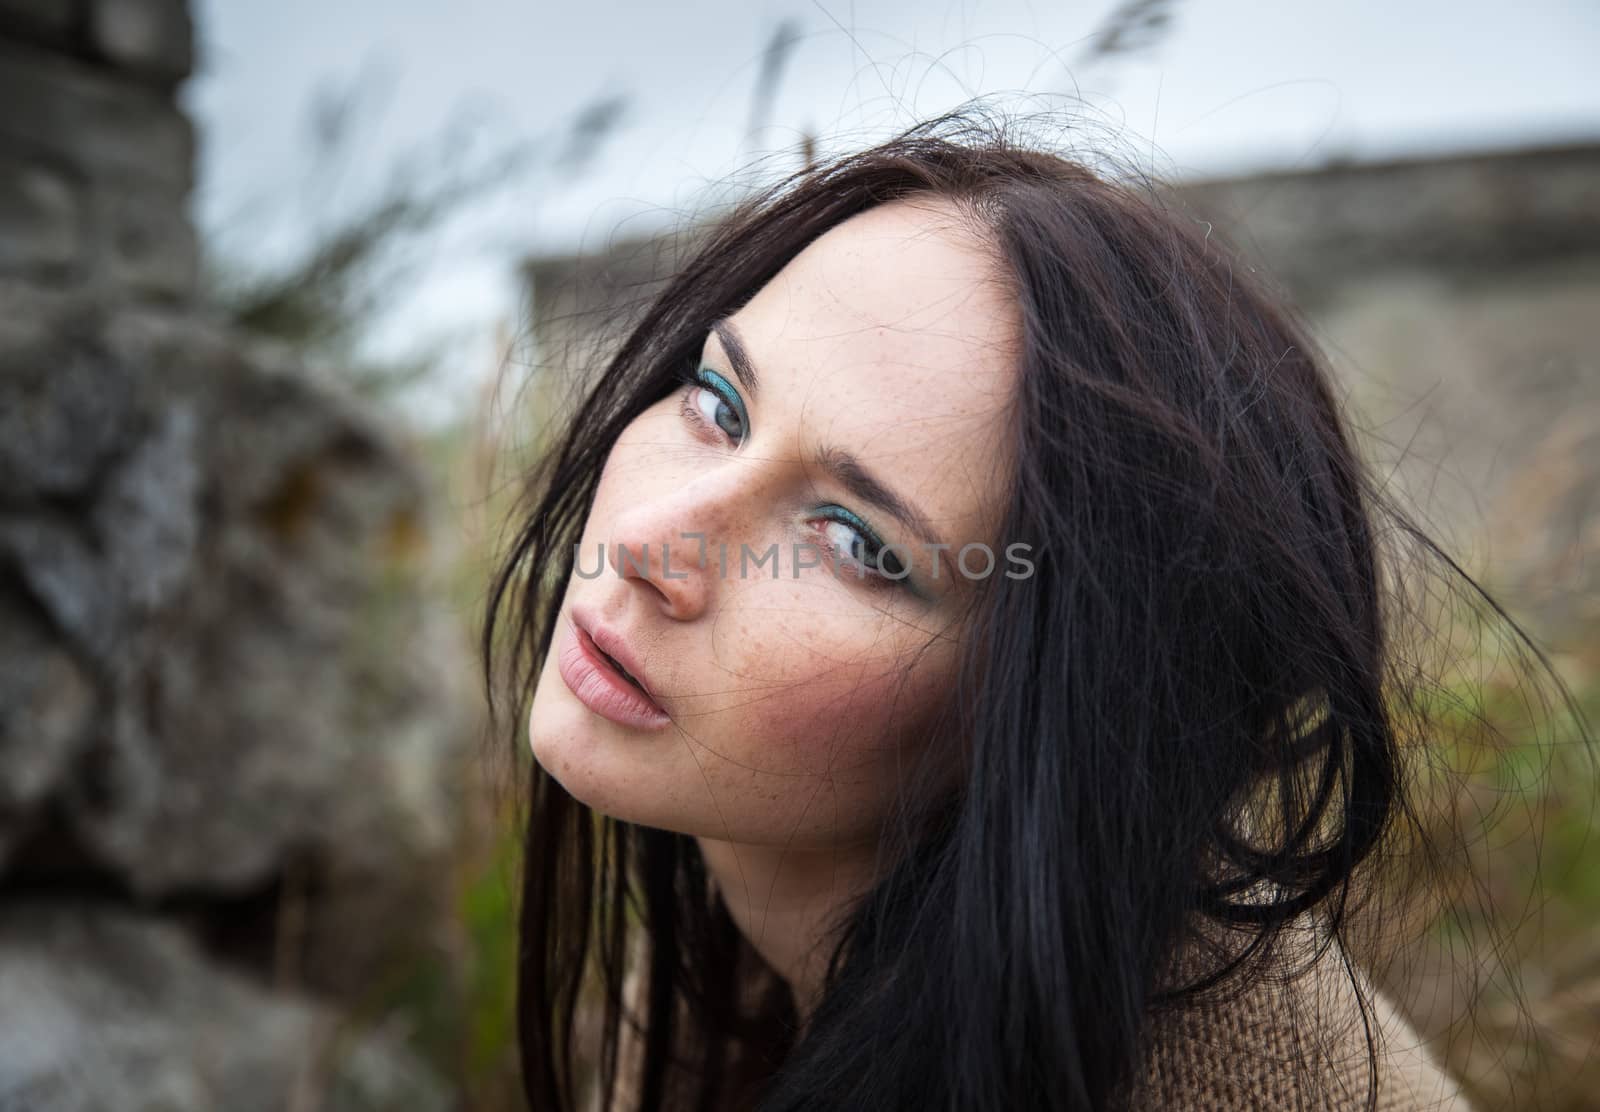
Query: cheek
814, 685
650, 457
828, 712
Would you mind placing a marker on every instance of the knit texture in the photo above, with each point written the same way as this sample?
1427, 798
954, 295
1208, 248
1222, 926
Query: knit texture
1298, 1043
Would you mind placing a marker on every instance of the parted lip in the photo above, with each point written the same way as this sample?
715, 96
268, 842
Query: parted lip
615, 645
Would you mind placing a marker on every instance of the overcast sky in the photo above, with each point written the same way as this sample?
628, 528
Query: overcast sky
1227, 86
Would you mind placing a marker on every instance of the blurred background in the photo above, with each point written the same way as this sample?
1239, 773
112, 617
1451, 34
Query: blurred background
290, 293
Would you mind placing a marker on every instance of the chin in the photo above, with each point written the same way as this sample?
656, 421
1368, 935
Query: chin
562, 735
595, 763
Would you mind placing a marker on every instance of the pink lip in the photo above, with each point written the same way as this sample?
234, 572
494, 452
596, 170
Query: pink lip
599, 686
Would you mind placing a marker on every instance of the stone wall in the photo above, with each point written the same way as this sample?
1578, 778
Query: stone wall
231, 699
96, 159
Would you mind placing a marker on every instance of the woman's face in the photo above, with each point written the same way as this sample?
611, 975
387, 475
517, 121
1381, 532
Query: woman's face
793, 664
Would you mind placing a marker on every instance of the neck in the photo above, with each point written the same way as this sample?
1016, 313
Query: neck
785, 901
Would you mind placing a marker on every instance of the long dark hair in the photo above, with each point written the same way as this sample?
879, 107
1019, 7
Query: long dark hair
1184, 724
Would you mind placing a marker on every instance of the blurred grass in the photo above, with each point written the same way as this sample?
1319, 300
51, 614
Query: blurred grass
1496, 923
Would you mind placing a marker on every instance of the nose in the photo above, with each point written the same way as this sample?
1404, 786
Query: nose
669, 548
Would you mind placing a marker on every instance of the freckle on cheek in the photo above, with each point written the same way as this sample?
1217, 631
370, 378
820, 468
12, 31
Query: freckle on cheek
854, 710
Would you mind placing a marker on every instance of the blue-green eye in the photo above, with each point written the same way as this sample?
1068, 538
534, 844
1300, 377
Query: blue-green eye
718, 404
848, 535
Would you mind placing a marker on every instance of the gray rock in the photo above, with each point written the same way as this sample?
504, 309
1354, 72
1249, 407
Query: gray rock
64, 406
50, 20
252, 581
146, 518
67, 578
144, 242
41, 220
243, 565
91, 123
45, 703
103, 1010
151, 37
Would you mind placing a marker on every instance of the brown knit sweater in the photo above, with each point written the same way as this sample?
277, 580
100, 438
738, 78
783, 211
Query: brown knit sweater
1282, 1044
1295, 1043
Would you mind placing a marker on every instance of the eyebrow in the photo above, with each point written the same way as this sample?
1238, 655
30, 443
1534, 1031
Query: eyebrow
838, 462
743, 369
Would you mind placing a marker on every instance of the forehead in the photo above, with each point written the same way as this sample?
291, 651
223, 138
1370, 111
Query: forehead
892, 336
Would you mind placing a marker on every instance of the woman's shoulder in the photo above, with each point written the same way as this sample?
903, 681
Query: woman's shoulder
1294, 1042
1297, 1041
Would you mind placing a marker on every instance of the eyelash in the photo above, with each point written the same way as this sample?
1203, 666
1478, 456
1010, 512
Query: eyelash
871, 575
699, 378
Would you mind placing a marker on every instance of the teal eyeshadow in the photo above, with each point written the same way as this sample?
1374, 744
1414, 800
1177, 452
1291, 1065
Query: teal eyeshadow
844, 516
724, 389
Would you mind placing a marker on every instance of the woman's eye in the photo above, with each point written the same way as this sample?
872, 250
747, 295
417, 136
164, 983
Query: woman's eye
864, 550
714, 402
719, 413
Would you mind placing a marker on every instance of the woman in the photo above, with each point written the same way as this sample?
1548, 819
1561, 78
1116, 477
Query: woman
958, 649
